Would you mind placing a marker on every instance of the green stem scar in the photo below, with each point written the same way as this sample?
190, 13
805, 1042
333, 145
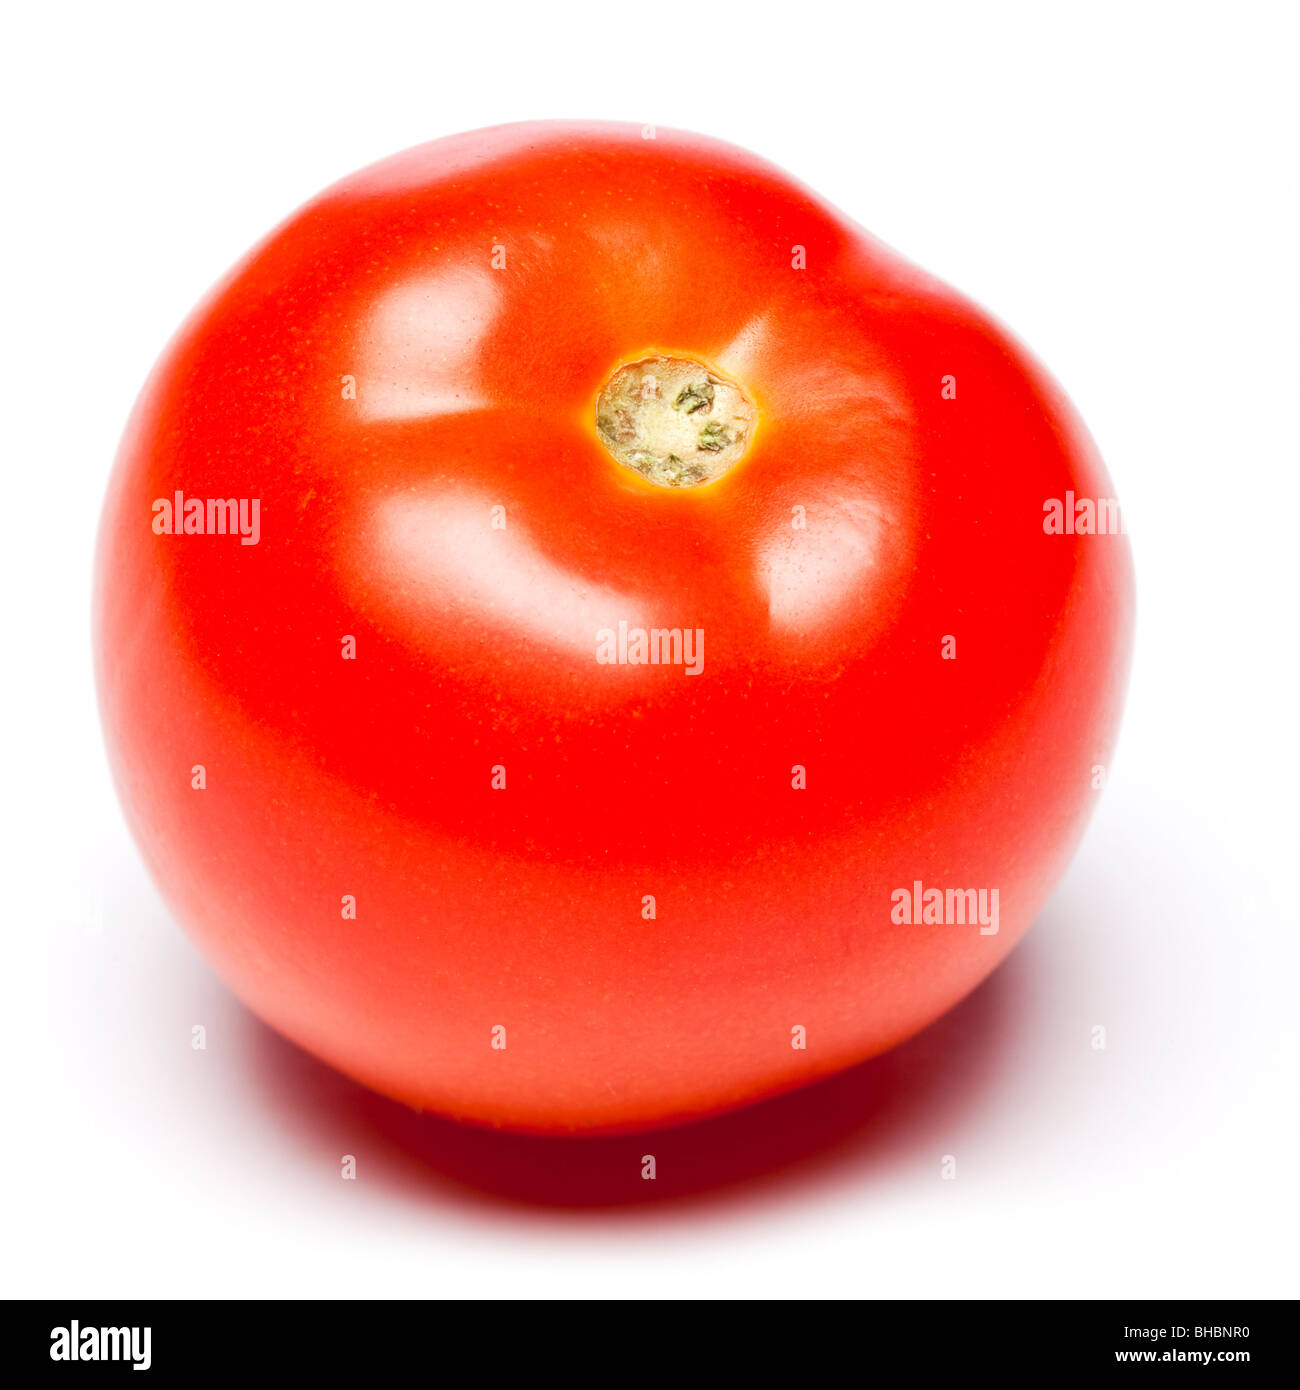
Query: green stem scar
675, 421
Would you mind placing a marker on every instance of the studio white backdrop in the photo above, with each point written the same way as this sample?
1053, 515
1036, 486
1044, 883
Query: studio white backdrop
1115, 181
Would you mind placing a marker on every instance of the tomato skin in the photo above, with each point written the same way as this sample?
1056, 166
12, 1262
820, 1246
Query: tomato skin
478, 291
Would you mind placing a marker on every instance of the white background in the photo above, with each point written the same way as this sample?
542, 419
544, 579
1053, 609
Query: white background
1118, 183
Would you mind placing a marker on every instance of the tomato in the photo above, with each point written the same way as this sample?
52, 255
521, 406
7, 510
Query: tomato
587, 637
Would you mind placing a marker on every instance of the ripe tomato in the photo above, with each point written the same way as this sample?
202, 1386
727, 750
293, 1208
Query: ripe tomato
648, 676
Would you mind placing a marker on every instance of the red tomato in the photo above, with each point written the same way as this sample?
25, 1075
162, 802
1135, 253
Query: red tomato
652, 592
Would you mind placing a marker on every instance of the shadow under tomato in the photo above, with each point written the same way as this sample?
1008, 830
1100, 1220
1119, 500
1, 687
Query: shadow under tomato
898, 1110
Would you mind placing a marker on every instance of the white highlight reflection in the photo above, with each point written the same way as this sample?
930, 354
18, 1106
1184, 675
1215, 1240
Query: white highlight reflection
441, 550
810, 575
420, 353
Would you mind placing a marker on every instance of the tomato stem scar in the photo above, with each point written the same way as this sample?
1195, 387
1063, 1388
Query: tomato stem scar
675, 421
